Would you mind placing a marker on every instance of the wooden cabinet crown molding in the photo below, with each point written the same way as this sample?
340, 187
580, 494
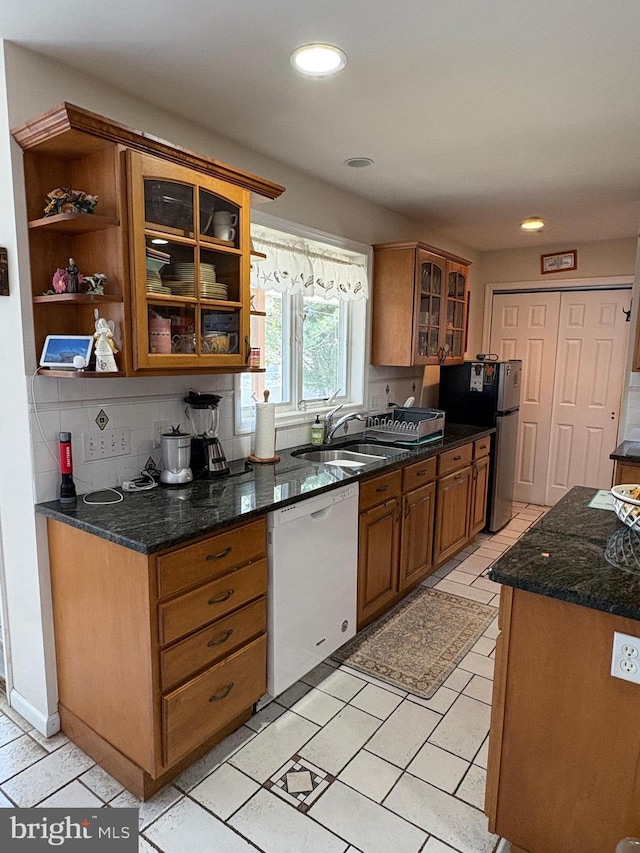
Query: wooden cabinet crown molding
42, 132
417, 244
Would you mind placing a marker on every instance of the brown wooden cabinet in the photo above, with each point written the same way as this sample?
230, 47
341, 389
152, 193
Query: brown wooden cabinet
410, 523
452, 513
461, 498
419, 305
416, 552
626, 472
159, 657
479, 489
191, 313
378, 545
564, 744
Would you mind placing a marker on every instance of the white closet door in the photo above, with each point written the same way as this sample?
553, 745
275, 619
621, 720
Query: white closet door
590, 365
525, 325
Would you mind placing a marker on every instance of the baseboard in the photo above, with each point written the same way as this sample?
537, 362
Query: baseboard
47, 726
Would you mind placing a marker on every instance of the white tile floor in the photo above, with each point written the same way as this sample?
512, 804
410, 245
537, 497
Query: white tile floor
391, 772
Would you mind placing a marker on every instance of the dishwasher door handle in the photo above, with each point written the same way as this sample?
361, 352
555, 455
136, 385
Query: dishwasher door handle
321, 514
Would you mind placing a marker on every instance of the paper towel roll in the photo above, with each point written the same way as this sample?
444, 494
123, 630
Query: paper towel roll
265, 431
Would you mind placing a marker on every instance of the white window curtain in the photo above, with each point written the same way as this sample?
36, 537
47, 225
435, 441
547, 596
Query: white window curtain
293, 266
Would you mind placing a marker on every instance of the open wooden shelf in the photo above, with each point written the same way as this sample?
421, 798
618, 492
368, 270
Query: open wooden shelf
78, 298
74, 223
72, 373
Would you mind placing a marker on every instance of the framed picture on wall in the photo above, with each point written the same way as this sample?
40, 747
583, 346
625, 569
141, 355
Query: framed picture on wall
4, 273
559, 262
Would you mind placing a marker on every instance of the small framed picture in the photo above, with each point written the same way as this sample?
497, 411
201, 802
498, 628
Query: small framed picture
4, 273
559, 262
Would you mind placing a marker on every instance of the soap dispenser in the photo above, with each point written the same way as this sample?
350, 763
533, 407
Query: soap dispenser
317, 431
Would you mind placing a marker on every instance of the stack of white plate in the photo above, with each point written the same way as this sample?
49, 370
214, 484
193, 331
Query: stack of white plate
214, 291
155, 283
181, 288
185, 281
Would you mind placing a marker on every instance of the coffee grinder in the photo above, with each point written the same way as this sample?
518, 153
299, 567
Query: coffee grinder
207, 457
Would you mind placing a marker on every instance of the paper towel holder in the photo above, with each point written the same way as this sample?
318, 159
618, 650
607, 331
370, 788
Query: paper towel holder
259, 459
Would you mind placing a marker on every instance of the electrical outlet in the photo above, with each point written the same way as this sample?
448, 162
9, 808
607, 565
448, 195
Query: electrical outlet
624, 660
375, 402
105, 444
159, 427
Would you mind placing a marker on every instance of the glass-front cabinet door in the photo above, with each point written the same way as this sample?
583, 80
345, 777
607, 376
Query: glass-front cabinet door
190, 249
431, 298
454, 338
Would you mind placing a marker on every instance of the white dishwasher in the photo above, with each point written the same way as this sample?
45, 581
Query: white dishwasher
313, 579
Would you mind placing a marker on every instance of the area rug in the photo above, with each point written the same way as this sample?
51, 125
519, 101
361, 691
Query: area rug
418, 643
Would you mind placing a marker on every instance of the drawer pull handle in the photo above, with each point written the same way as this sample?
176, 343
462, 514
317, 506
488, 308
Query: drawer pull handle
220, 555
223, 693
220, 640
421, 473
457, 458
483, 447
457, 476
382, 488
222, 598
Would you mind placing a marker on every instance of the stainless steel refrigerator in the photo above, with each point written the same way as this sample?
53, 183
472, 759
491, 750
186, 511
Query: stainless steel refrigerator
487, 393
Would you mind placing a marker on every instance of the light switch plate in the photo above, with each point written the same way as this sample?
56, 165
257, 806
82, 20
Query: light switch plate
105, 444
625, 660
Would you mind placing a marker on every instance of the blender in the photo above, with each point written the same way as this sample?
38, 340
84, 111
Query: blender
176, 451
207, 457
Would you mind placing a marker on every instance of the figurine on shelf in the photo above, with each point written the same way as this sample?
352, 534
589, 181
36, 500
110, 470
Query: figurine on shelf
105, 347
66, 200
95, 283
73, 277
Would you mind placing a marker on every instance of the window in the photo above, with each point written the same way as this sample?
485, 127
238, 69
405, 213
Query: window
310, 325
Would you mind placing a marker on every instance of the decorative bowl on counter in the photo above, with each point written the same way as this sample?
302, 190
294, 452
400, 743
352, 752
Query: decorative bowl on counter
627, 503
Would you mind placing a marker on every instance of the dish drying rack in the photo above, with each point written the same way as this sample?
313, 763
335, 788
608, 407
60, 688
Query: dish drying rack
406, 426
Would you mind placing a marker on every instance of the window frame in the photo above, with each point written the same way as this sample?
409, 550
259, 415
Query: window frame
354, 331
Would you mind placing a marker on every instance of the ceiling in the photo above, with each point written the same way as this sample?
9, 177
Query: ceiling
477, 114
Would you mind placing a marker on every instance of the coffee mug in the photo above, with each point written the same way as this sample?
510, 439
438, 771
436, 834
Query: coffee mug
224, 232
184, 343
220, 342
225, 217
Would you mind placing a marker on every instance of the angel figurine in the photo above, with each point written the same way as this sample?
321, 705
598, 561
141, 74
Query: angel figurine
105, 347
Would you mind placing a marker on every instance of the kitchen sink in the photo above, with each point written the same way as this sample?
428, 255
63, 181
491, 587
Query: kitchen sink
341, 458
384, 450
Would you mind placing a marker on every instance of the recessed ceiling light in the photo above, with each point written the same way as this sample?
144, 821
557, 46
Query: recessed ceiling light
359, 162
532, 224
159, 241
318, 60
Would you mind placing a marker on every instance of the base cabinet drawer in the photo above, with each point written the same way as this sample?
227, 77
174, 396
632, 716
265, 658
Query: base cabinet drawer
191, 611
195, 711
212, 643
194, 564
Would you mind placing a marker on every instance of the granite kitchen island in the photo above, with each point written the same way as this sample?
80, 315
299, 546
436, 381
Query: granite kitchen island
564, 754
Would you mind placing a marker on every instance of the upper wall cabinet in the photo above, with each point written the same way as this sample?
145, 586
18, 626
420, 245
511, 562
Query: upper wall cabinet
170, 231
419, 305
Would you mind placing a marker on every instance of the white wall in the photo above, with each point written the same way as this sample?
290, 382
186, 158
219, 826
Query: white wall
34, 85
598, 259
28, 626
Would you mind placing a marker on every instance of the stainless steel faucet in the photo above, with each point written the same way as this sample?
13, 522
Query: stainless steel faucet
331, 428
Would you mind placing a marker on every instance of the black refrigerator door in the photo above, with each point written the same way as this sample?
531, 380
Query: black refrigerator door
461, 404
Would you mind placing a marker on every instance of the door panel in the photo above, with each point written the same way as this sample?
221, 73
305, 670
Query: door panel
573, 347
525, 325
592, 347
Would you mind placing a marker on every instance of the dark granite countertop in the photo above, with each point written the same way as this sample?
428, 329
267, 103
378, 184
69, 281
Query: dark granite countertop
627, 451
164, 517
563, 556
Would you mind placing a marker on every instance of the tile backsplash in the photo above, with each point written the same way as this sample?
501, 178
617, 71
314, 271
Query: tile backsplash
74, 404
